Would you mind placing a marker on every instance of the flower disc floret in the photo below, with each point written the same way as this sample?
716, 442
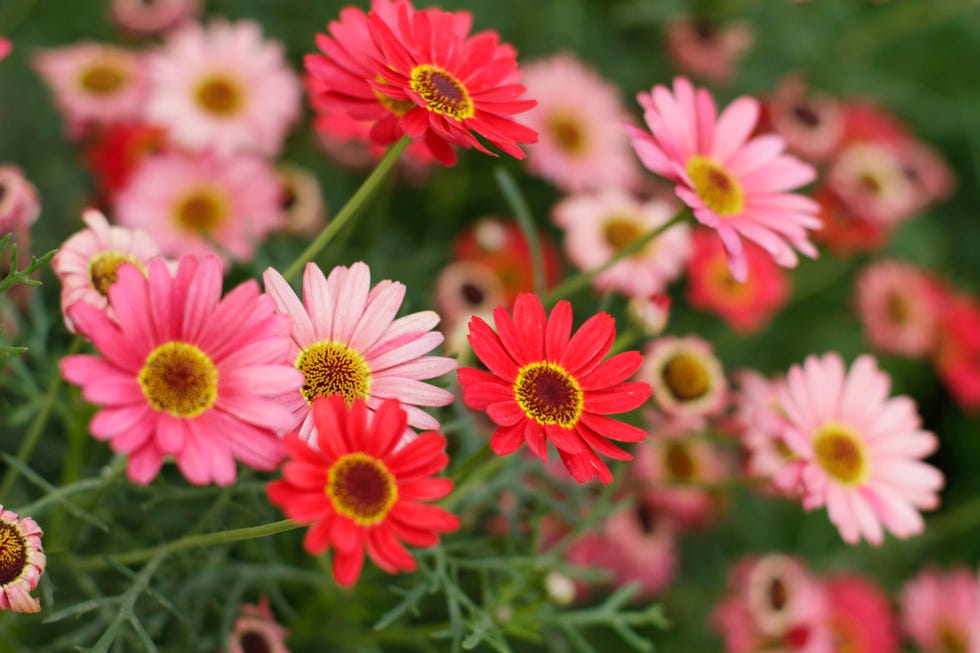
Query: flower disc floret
104, 267
13, 553
331, 368
839, 452
22, 562
548, 394
361, 488
220, 94
715, 186
180, 379
442, 92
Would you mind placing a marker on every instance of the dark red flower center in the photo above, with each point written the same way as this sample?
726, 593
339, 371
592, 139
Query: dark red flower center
332, 368
806, 115
361, 488
442, 92
13, 553
548, 394
180, 379
252, 641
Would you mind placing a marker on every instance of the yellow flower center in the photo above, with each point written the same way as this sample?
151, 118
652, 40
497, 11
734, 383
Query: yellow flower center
952, 639
718, 190
220, 95
361, 488
397, 107
839, 452
442, 92
679, 462
568, 133
103, 79
620, 231
13, 553
331, 368
548, 394
201, 210
103, 269
686, 377
180, 379
899, 307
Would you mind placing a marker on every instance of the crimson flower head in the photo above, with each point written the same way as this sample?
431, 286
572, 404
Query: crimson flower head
358, 492
546, 384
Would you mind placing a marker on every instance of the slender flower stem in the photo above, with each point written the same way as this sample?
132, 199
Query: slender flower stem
582, 279
471, 474
522, 212
351, 209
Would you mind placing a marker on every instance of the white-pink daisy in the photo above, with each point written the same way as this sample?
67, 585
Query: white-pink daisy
735, 185
900, 306
598, 226
941, 610
145, 17
687, 377
346, 341
203, 204
581, 145
224, 88
857, 451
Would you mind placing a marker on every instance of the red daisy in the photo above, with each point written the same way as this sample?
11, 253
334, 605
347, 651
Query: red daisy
359, 492
456, 82
547, 384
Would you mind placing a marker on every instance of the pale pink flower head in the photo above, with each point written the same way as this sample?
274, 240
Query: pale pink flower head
899, 305
256, 630
598, 226
926, 169
94, 83
747, 305
860, 616
467, 288
686, 376
869, 178
202, 204
301, 200
811, 123
224, 88
20, 204
146, 17
941, 610
87, 263
581, 145
708, 51
22, 562
735, 184
186, 373
346, 341
857, 451
760, 422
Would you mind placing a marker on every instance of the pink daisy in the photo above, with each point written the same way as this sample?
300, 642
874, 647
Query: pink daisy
708, 51
598, 226
203, 204
346, 341
185, 372
941, 610
20, 204
87, 263
734, 185
256, 630
224, 88
858, 451
145, 17
458, 84
649, 314
581, 145
760, 423
860, 616
811, 123
687, 377
301, 200
870, 180
899, 305
22, 562
94, 83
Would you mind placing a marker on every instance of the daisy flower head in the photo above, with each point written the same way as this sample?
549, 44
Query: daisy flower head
256, 630
870, 179
899, 306
598, 226
20, 204
223, 88
940, 610
860, 616
581, 146
184, 372
346, 341
736, 185
857, 451
301, 200
710, 52
94, 83
22, 562
146, 17
686, 376
812, 123
546, 384
87, 263
360, 490
649, 314
203, 204
456, 84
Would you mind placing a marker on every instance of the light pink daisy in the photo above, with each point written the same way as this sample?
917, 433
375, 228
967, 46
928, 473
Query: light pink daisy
708, 51
686, 376
87, 262
734, 184
224, 88
203, 204
256, 630
858, 451
598, 226
581, 145
301, 200
94, 83
900, 306
812, 123
20, 204
871, 181
760, 423
941, 610
145, 17
346, 341
185, 372
22, 562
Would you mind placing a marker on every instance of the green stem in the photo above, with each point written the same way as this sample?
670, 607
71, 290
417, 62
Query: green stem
583, 279
351, 209
190, 542
471, 474
522, 212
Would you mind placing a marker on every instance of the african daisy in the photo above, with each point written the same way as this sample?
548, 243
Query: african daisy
360, 491
899, 306
708, 51
941, 610
185, 372
860, 616
256, 630
346, 341
22, 562
223, 88
857, 451
546, 384
145, 17
686, 376
734, 185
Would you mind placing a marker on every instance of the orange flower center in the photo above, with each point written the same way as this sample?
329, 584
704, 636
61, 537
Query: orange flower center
839, 452
332, 368
220, 95
180, 379
679, 462
202, 210
952, 639
442, 92
548, 394
719, 191
568, 133
13, 553
103, 269
103, 79
724, 284
686, 377
361, 488
621, 231
899, 307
